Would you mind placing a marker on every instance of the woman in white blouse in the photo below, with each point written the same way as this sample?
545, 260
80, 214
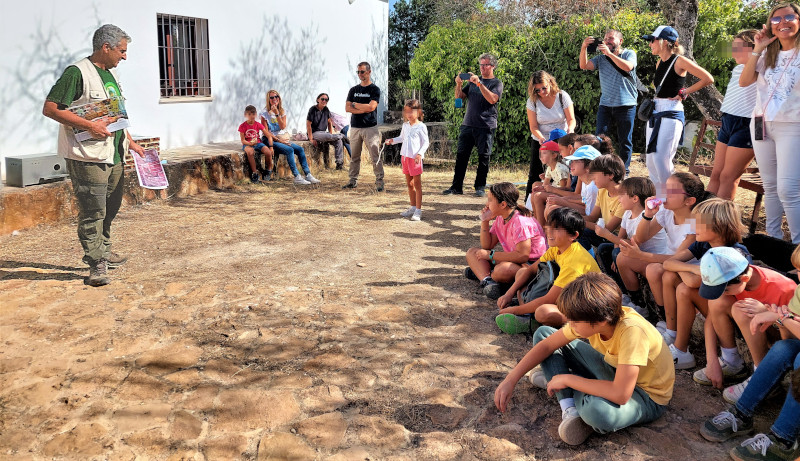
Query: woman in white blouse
774, 65
548, 108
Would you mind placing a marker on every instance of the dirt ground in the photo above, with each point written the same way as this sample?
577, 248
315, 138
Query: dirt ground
274, 322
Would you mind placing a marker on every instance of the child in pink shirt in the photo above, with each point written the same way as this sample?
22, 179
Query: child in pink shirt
515, 229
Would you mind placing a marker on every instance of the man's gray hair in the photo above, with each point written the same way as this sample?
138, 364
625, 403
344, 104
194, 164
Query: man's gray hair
490, 57
108, 33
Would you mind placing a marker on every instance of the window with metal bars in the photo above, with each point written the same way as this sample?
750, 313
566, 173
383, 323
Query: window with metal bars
183, 57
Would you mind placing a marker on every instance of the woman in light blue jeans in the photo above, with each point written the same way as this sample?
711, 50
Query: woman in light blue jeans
273, 116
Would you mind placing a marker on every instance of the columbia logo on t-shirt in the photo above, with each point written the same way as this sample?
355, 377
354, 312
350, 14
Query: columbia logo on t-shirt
362, 95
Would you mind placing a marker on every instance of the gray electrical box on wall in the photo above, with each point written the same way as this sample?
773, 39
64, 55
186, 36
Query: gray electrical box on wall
30, 169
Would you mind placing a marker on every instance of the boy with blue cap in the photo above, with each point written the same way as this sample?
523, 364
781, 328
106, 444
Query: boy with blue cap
736, 289
727, 273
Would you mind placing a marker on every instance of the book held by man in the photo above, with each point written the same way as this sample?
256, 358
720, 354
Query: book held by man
110, 110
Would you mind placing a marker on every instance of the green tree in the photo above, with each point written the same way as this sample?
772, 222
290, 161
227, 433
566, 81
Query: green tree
408, 26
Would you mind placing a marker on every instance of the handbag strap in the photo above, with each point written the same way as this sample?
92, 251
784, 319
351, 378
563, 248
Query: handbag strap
658, 88
619, 69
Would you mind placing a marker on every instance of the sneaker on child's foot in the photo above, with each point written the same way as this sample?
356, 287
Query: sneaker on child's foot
254, 178
725, 426
731, 394
266, 176
626, 300
492, 289
668, 338
408, 212
765, 447
352, 184
311, 179
682, 360
417, 216
730, 373
573, 430
470, 275
300, 181
513, 324
537, 377
639, 309
339, 166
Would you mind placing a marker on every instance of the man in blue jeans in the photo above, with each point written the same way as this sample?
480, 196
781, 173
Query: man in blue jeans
480, 122
617, 69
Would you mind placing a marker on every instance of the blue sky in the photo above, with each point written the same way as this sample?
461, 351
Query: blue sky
391, 4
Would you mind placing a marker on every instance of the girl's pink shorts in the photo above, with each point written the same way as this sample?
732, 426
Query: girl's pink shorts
409, 167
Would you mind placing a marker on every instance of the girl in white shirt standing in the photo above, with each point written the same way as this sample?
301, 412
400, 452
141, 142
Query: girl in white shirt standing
414, 136
734, 149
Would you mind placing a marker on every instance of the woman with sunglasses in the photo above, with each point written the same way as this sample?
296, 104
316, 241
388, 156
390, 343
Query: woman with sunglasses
273, 116
548, 108
319, 127
774, 66
664, 131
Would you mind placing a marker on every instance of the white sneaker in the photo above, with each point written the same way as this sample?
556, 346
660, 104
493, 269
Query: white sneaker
661, 326
573, 430
731, 394
408, 212
312, 179
300, 181
417, 215
682, 360
537, 377
669, 339
639, 309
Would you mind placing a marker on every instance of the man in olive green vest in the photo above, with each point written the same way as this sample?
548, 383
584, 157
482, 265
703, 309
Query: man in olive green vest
95, 165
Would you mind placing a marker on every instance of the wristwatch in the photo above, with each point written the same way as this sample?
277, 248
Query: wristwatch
353, 104
646, 218
491, 256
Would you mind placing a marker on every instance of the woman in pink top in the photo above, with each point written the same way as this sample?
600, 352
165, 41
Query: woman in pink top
515, 229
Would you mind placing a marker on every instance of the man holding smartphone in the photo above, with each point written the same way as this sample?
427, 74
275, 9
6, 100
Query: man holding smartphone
617, 69
480, 122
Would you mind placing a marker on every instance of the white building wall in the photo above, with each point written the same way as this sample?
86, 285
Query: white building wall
299, 47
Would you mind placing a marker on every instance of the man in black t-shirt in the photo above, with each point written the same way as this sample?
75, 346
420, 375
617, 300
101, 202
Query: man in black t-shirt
480, 122
319, 128
362, 102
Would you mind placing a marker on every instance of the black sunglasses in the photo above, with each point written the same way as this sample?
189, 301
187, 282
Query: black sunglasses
539, 90
323, 99
274, 97
359, 72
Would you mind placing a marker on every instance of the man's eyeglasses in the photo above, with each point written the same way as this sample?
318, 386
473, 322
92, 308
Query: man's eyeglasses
274, 96
359, 72
323, 99
539, 90
777, 19
486, 65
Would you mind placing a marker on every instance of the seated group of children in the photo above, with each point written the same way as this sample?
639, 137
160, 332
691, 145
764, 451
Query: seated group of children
586, 265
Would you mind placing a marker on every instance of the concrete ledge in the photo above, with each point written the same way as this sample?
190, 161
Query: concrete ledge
191, 171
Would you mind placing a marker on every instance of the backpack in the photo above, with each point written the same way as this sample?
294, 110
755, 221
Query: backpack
541, 283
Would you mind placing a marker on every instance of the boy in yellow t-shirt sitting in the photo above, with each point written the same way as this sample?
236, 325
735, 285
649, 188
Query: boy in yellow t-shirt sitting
607, 171
623, 376
563, 227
